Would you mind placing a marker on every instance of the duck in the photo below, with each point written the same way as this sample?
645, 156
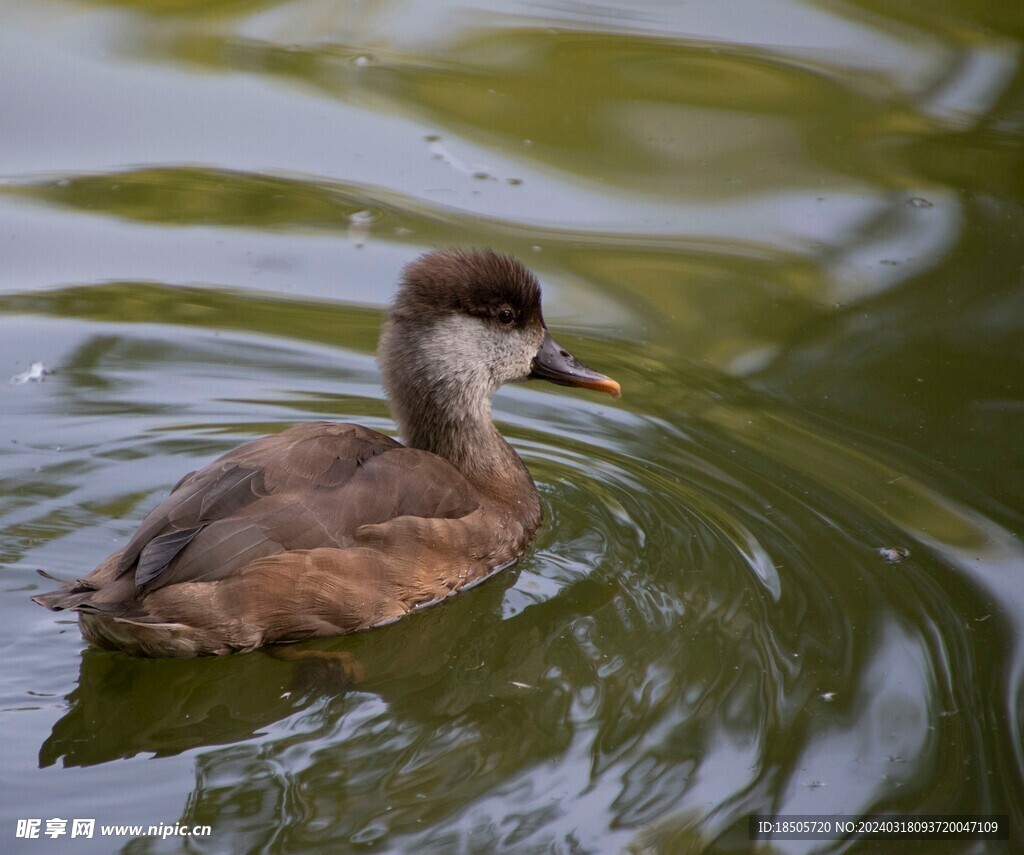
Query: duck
329, 528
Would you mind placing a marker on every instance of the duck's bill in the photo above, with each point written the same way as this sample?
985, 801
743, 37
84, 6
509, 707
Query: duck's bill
555, 364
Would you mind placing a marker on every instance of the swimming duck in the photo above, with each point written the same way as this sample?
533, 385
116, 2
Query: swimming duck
326, 528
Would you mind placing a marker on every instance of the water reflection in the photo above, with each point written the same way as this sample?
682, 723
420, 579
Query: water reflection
639, 646
123, 706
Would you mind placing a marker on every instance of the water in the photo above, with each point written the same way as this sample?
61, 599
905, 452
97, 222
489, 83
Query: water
782, 575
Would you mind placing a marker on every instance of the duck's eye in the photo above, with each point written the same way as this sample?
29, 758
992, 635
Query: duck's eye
506, 316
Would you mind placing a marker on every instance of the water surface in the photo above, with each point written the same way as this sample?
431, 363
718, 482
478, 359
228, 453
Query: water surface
782, 575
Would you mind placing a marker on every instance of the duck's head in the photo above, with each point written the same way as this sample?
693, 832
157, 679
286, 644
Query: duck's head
463, 324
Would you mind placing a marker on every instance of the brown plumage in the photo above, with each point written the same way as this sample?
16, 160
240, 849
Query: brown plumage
329, 528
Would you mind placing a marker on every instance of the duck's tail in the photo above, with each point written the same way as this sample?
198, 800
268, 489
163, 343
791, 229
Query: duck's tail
72, 593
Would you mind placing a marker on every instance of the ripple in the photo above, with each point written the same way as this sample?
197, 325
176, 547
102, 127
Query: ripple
674, 638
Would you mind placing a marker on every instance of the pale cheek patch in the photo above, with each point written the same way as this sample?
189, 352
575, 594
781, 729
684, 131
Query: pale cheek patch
478, 355
512, 354
454, 345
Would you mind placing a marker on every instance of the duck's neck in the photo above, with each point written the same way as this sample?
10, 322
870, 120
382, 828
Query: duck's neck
453, 420
460, 429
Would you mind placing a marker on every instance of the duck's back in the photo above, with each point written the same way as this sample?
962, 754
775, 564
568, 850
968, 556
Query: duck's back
320, 530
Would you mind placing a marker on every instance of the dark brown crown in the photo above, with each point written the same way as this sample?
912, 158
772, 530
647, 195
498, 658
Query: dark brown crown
478, 282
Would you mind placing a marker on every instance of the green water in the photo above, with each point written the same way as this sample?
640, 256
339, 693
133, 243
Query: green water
794, 231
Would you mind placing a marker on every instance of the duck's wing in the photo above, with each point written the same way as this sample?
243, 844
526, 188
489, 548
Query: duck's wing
312, 486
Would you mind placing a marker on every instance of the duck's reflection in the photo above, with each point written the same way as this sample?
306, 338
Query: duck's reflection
441, 661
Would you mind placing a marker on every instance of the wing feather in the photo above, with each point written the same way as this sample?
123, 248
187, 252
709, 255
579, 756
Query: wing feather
160, 552
268, 496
